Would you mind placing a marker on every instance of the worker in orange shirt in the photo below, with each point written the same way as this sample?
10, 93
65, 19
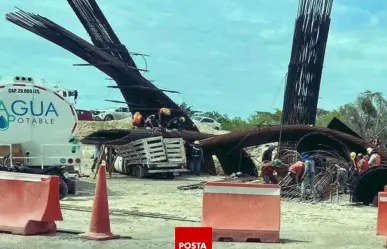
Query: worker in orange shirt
137, 120
354, 160
362, 164
269, 171
375, 159
296, 171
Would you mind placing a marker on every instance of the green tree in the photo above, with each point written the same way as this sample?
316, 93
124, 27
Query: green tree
324, 117
230, 124
266, 118
187, 108
367, 115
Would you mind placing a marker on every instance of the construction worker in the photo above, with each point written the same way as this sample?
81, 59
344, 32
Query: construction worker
296, 171
362, 164
341, 178
308, 176
137, 120
354, 160
176, 123
269, 171
375, 159
97, 153
196, 154
268, 154
164, 114
151, 122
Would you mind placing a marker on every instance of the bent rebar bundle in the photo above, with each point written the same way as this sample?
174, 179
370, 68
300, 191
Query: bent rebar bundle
222, 145
101, 33
306, 62
117, 65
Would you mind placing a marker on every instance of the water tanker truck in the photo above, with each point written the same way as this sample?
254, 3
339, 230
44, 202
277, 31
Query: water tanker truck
37, 126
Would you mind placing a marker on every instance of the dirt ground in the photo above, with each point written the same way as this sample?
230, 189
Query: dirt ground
149, 209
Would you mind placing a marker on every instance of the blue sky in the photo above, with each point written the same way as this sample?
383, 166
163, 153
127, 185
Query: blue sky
229, 56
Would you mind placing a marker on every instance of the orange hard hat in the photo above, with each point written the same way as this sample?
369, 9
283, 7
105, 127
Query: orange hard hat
165, 111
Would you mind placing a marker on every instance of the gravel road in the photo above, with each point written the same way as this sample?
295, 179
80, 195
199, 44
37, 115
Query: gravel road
303, 225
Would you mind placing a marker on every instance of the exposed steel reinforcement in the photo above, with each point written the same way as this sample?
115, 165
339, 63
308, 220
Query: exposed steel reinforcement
227, 147
113, 59
369, 184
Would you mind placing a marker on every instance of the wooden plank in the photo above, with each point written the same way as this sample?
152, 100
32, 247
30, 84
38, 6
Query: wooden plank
151, 139
156, 145
157, 150
172, 140
174, 151
156, 154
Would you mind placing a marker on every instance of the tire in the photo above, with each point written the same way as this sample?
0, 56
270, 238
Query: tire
375, 201
217, 128
170, 176
139, 172
109, 118
63, 189
71, 186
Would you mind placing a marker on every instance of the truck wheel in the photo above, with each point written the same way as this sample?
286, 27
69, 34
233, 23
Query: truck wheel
169, 176
71, 186
127, 170
139, 172
217, 128
63, 189
375, 201
109, 118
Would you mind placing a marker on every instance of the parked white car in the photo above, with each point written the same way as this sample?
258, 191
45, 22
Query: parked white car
112, 114
208, 121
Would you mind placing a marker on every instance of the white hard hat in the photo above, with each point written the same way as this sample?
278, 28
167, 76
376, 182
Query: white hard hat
369, 150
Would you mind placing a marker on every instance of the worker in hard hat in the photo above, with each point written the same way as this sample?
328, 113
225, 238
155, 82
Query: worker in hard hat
269, 171
309, 175
151, 122
375, 159
196, 155
176, 123
362, 164
164, 115
296, 170
137, 120
354, 160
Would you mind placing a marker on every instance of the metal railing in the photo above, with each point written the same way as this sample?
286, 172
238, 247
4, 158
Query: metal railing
41, 157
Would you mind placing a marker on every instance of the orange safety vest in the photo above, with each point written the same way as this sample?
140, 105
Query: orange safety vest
378, 160
363, 165
137, 119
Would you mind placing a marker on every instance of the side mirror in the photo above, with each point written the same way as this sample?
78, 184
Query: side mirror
73, 140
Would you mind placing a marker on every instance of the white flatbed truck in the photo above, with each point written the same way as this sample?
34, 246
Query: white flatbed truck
40, 123
151, 156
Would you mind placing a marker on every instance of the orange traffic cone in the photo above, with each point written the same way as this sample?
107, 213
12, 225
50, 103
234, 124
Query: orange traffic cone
100, 222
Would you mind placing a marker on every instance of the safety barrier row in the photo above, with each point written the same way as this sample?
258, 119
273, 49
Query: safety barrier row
29, 203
